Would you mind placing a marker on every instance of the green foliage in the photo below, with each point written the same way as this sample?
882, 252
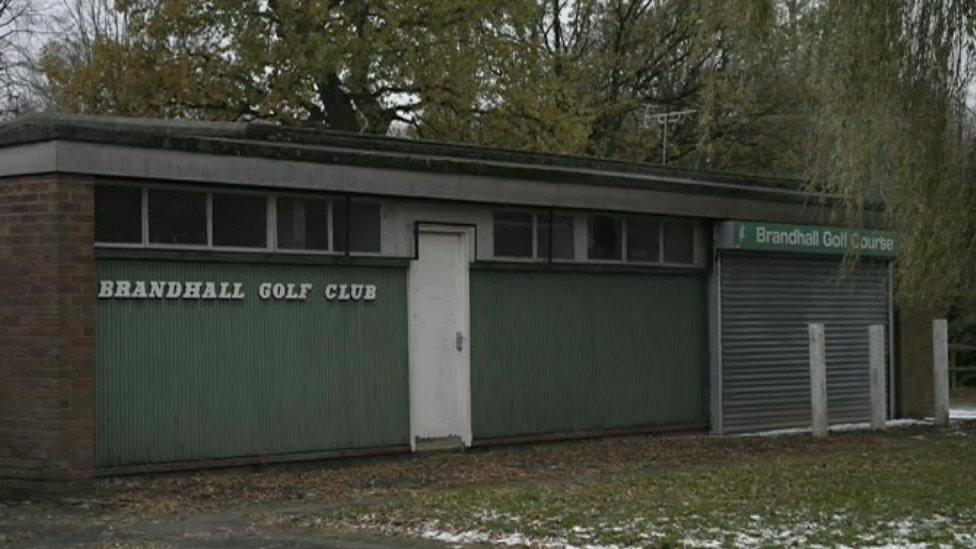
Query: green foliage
349, 65
866, 100
891, 128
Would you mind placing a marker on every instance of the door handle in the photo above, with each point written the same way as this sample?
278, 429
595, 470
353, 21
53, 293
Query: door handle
459, 341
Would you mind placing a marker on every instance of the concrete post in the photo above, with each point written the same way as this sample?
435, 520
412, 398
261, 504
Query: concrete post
940, 370
818, 380
876, 351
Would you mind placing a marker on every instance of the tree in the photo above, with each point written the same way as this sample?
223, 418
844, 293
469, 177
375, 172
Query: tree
755, 102
573, 76
892, 128
582, 76
867, 100
16, 17
354, 65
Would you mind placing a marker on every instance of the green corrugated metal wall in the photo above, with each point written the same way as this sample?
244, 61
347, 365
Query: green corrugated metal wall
555, 352
187, 380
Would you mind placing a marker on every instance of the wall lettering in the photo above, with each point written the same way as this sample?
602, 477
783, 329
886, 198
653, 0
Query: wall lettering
290, 291
169, 289
350, 292
230, 291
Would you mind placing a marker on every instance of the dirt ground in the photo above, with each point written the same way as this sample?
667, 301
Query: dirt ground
228, 508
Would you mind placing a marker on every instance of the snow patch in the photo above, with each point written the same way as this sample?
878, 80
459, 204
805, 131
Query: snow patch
839, 428
718, 531
958, 414
963, 414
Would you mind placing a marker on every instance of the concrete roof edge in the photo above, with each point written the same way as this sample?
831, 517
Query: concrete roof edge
323, 146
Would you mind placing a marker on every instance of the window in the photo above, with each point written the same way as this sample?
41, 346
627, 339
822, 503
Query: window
605, 238
303, 224
679, 242
563, 241
643, 239
177, 217
362, 223
513, 234
240, 220
526, 234
209, 219
118, 214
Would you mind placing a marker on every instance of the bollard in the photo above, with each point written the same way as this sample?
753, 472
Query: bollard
876, 352
818, 380
940, 370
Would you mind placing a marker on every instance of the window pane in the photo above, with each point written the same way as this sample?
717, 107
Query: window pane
679, 242
177, 217
562, 236
513, 234
240, 220
604, 237
303, 224
643, 239
118, 214
363, 224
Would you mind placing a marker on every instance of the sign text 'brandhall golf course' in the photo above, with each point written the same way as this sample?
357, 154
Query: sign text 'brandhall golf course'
748, 235
231, 291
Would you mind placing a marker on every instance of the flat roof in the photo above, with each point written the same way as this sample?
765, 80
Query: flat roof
332, 147
270, 156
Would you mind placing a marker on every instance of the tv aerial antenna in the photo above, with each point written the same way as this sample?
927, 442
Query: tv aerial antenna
666, 119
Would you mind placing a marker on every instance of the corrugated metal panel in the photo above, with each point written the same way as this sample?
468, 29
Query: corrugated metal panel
187, 380
767, 303
560, 352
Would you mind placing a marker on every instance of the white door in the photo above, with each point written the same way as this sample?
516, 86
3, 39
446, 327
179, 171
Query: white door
440, 401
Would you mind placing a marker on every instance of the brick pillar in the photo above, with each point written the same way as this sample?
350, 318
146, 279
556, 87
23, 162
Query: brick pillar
47, 316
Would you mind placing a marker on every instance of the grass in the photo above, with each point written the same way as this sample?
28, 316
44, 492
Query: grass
912, 489
903, 486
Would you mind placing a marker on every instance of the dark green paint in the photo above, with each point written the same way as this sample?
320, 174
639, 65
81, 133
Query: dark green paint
187, 380
563, 352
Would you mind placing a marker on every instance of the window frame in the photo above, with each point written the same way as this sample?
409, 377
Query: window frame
623, 239
696, 240
534, 244
268, 236
350, 199
143, 226
551, 216
331, 219
145, 243
271, 221
536, 227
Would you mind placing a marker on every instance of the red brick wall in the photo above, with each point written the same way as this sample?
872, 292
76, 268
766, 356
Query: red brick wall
47, 315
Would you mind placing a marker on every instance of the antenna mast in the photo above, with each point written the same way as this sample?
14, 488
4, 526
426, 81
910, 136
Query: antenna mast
664, 119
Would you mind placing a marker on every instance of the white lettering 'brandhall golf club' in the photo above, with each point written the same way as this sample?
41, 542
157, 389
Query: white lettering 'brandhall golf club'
173, 289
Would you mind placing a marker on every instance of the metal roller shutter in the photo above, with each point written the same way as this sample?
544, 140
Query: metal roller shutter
766, 304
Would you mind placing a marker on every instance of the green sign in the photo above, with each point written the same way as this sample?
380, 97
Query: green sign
750, 235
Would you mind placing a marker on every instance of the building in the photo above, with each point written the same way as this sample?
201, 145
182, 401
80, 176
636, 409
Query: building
193, 294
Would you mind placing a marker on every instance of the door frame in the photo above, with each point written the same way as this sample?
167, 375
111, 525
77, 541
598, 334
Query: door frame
466, 235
